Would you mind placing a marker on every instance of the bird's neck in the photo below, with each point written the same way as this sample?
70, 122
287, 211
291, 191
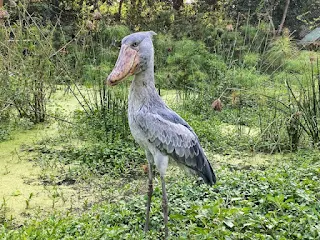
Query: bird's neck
143, 88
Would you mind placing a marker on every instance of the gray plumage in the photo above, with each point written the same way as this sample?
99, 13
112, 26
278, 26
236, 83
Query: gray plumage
158, 129
171, 135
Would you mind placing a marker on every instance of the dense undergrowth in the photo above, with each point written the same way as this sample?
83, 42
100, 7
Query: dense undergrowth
276, 201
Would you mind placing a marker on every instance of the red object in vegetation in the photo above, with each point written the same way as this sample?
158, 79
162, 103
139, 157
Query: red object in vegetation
145, 168
217, 105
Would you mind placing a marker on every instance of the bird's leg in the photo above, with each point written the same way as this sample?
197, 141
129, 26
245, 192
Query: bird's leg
165, 207
150, 191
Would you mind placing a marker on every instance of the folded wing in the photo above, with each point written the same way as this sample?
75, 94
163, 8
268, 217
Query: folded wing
173, 136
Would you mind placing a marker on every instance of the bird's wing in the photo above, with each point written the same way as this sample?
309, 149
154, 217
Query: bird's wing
172, 116
173, 136
168, 136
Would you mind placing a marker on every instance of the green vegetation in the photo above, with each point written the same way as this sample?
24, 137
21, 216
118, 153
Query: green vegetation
278, 200
72, 170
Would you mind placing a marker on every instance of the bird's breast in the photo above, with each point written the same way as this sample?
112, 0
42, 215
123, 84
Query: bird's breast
135, 129
137, 132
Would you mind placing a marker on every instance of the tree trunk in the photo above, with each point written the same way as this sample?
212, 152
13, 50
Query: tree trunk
1, 3
176, 4
119, 11
283, 17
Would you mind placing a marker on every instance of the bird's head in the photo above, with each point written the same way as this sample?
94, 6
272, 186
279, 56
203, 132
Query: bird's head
135, 55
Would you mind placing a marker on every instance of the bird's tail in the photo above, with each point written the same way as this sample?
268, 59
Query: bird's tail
203, 169
207, 174
197, 164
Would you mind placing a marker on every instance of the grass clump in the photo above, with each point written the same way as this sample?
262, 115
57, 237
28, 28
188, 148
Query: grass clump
279, 52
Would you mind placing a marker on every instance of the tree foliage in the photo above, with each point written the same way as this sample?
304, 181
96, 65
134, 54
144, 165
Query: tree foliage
299, 12
164, 15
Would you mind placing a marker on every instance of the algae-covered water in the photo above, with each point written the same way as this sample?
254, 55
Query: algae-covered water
22, 193
20, 189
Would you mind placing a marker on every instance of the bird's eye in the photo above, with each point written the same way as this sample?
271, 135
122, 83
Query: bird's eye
135, 44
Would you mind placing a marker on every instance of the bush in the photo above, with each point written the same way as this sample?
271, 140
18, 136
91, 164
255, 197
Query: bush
163, 45
191, 65
245, 78
251, 60
106, 124
4, 132
307, 105
110, 35
217, 136
27, 87
256, 37
280, 50
303, 63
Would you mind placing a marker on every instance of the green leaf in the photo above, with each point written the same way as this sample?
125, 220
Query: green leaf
228, 223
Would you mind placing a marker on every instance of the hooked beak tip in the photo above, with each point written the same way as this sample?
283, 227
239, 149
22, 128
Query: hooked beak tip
109, 82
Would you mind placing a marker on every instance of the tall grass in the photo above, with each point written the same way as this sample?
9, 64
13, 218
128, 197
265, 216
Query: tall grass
35, 59
258, 65
306, 99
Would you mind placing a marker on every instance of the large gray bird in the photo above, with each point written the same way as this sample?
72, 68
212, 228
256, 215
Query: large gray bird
159, 130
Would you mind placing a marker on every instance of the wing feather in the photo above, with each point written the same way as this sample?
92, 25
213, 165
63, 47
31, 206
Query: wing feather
173, 136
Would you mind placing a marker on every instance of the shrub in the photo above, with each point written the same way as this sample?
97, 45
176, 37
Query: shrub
307, 105
28, 72
191, 65
251, 60
245, 78
110, 35
4, 132
106, 124
302, 63
280, 50
94, 76
163, 45
256, 37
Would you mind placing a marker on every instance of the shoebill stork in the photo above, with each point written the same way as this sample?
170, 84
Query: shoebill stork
159, 130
